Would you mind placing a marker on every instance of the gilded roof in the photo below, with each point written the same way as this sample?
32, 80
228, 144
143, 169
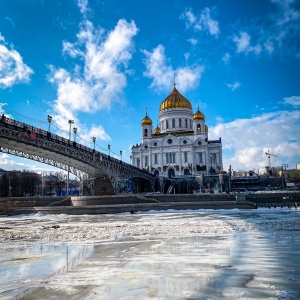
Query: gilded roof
199, 115
156, 130
146, 120
175, 100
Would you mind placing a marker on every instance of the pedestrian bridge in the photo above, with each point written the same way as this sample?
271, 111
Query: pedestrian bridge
110, 175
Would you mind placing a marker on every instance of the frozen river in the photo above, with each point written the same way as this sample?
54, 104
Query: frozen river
204, 254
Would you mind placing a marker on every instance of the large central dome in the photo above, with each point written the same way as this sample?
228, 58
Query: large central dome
175, 100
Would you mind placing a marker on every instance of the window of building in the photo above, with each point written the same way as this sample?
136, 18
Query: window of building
170, 158
186, 123
186, 172
185, 155
145, 132
146, 161
138, 163
167, 124
191, 124
200, 157
171, 173
173, 123
179, 122
214, 158
184, 141
198, 128
169, 141
146, 147
199, 143
155, 158
155, 144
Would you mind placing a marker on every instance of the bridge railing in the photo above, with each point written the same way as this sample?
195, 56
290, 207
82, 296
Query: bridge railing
43, 134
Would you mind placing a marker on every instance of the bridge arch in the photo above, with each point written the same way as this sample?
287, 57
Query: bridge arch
24, 140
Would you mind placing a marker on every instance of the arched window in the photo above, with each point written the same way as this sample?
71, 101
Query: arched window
186, 123
186, 172
171, 173
199, 128
179, 122
167, 124
185, 156
173, 123
145, 132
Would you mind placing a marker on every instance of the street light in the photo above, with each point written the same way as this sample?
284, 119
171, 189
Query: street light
75, 131
94, 140
121, 154
68, 177
70, 122
108, 149
49, 118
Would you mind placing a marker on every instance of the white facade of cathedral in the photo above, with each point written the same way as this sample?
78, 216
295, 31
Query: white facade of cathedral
179, 146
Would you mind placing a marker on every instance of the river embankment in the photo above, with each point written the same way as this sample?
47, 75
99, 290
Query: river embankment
143, 202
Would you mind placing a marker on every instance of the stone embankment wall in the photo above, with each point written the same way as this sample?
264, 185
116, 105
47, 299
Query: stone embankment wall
269, 198
6, 203
145, 202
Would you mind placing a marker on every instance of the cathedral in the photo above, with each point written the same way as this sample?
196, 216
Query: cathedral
179, 146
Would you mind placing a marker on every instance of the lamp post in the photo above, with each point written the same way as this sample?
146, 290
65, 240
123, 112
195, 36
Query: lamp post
68, 177
284, 166
108, 149
121, 154
9, 187
94, 141
49, 118
75, 131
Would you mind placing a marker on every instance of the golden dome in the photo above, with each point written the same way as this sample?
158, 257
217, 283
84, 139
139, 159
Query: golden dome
146, 120
174, 100
206, 128
198, 115
156, 130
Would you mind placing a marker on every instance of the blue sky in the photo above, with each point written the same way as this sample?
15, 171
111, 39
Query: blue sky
102, 63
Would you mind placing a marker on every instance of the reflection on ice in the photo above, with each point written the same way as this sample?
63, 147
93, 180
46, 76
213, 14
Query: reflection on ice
23, 268
167, 255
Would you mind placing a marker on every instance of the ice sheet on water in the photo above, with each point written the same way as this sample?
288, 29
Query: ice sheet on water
184, 247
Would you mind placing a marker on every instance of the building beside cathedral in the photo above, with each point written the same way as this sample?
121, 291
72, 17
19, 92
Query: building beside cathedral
179, 146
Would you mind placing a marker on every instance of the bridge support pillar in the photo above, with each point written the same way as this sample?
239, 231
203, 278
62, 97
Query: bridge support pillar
103, 186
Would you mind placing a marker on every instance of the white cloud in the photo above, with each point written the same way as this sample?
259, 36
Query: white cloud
193, 41
278, 31
294, 100
204, 23
287, 13
249, 139
12, 68
162, 73
82, 4
97, 82
226, 58
234, 86
243, 44
209, 23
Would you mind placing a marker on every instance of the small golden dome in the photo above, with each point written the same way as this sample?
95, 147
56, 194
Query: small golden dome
146, 120
206, 128
174, 100
156, 130
198, 115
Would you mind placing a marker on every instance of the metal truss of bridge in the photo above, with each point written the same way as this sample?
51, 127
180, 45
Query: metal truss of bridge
109, 174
